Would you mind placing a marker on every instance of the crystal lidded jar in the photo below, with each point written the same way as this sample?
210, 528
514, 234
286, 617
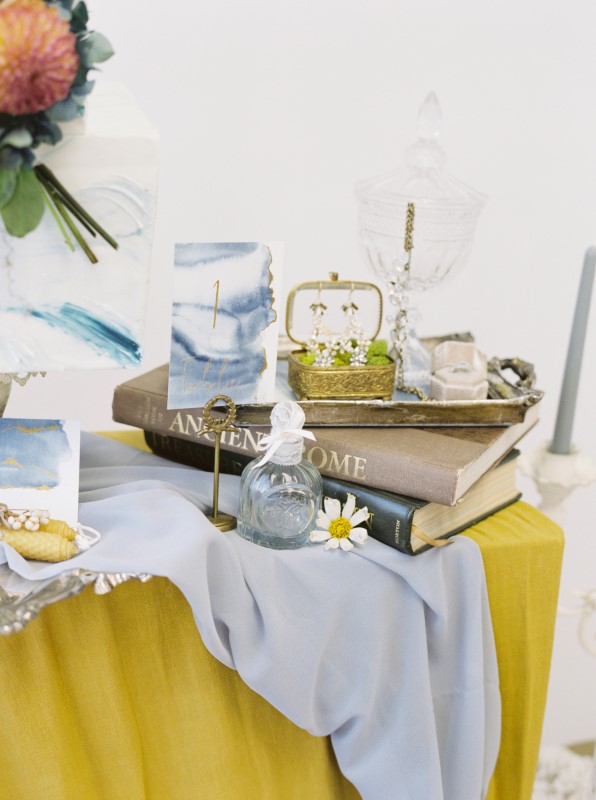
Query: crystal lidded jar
446, 212
446, 209
280, 492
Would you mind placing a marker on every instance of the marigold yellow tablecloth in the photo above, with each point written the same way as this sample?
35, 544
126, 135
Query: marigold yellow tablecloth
116, 697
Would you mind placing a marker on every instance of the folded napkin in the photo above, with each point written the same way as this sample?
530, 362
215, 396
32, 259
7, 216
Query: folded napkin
393, 656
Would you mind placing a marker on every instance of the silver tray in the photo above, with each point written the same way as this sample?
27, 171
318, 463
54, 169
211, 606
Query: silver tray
21, 600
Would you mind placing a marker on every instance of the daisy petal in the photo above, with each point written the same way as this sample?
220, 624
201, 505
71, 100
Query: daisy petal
319, 536
359, 516
349, 507
332, 508
323, 520
332, 544
359, 535
346, 545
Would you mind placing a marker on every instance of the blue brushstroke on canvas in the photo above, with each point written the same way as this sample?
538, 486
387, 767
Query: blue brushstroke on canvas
31, 451
229, 358
109, 338
85, 315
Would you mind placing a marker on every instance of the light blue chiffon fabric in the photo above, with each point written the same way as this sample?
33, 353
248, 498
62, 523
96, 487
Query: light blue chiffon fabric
392, 656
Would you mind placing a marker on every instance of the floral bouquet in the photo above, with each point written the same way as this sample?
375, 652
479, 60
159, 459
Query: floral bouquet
46, 54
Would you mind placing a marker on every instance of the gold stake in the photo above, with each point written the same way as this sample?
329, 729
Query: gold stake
224, 522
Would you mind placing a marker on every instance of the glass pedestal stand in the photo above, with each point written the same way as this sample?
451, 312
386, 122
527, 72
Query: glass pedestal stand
416, 225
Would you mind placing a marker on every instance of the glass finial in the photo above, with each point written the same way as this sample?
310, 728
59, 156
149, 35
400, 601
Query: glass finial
430, 118
426, 152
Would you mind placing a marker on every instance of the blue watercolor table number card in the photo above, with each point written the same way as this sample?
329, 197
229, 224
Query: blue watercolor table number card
224, 322
39, 466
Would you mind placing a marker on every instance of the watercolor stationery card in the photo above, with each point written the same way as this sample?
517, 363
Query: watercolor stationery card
224, 322
59, 311
39, 466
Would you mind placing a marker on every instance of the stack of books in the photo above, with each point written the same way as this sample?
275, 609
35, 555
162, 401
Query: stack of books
419, 484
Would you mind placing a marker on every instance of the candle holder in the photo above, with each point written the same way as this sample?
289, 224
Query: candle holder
556, 476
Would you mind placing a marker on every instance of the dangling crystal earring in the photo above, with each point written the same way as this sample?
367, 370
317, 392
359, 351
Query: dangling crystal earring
354, 340
320, 341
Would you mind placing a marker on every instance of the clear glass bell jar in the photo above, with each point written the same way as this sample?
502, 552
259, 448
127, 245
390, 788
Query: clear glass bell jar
442, 213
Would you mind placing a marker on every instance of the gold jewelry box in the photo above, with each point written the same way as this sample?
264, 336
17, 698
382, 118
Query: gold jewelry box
310, 382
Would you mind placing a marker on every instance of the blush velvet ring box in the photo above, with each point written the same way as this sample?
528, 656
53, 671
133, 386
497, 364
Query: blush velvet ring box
458, 372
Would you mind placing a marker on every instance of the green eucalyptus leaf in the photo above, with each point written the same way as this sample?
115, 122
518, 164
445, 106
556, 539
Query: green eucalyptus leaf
19, 137
24, 210
11, 158
80, 18
8, 183
97, 48
65, 110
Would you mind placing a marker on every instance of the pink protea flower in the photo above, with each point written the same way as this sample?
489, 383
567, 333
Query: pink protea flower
38, 57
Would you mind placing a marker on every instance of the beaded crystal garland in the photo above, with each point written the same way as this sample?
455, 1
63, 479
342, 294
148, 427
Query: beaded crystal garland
320, 335
354, 340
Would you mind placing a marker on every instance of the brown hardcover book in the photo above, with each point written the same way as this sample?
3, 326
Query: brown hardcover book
404, 523
434, 464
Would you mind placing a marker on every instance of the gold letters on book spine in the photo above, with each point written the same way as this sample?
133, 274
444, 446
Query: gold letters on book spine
246, 440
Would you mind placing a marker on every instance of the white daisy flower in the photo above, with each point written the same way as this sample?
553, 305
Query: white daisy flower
336, 526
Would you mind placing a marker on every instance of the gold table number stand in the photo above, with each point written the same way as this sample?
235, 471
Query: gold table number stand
224, 522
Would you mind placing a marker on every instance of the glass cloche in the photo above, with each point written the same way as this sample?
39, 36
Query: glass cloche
417, 225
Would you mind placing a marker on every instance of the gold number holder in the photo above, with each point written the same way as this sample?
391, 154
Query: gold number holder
217, 425
337, 383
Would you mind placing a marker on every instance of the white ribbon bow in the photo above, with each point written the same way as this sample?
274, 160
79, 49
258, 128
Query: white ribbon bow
272, 442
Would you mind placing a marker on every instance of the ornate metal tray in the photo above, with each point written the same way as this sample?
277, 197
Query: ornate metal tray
509, 400
21, 600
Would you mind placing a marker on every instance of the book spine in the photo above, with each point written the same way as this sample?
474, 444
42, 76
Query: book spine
331, 454
391, 515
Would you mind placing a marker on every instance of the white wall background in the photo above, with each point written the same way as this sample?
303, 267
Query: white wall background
269, 111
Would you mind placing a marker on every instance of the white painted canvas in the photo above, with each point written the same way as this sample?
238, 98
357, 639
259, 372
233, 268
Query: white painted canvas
39, 466
57, 310
225, 322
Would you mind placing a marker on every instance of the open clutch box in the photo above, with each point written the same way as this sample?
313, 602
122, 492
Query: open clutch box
340, 357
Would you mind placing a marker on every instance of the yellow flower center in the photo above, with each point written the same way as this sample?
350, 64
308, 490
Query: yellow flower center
340, 528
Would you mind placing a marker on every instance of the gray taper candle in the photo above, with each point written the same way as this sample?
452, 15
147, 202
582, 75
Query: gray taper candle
561, 443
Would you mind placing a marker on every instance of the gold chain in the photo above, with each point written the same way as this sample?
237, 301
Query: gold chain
401, 321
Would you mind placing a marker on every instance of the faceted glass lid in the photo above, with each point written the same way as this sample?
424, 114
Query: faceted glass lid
422, 178
444, 212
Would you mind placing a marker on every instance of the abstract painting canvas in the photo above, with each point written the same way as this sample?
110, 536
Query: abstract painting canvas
39, 466
224, 322
57, 310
